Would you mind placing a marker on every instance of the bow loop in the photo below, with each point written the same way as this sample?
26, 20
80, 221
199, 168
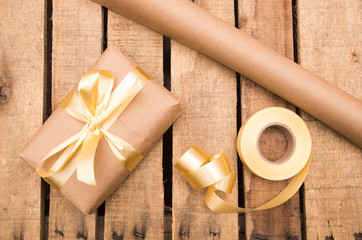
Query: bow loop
94, 90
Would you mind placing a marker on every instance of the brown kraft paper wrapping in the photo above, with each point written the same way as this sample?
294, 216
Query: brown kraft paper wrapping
195, 27
141, 124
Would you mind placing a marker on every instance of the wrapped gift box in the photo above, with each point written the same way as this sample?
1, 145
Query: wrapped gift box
141, 124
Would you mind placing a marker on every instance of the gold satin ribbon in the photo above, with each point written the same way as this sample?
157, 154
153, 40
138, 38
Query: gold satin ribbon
98, 107
202, 171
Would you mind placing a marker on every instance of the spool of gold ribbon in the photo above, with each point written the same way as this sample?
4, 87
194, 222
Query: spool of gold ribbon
201, 170
98, 107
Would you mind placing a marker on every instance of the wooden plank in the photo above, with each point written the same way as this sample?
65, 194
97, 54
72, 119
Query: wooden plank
77, 43
22, 73
330, 45
208, 97
271, 23
135, 209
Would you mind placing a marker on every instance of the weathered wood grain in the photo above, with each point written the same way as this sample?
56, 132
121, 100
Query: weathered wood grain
271, 23
330, 42
135, 209
22, 75
208, 98
77, 43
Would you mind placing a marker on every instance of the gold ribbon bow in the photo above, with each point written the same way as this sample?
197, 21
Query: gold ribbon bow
201, 171
98, 107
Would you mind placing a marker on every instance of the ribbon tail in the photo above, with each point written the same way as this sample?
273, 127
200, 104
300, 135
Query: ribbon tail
123, 151
85, 159
217, 204
69, 146
289, 190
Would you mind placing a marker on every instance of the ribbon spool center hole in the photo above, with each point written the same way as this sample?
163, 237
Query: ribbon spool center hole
276, 142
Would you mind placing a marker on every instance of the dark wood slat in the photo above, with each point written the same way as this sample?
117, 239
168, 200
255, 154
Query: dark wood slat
208, 96
271, 23
330, 45
77, 43
22, 72
135, 209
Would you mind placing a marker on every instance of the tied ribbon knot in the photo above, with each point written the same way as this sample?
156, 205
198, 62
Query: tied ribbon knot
98, 107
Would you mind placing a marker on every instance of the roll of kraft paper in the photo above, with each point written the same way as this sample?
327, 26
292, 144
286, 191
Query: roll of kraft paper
201, 170
195, 27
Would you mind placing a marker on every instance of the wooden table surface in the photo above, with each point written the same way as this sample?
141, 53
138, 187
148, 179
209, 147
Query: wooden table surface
46, 46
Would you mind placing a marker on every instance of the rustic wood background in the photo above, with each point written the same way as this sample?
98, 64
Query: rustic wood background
46, 46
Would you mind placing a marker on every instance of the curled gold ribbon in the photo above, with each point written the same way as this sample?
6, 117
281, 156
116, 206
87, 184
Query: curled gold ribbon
202, 171
98, 107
